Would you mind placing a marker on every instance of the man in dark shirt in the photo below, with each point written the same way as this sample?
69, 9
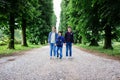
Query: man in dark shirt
69, 40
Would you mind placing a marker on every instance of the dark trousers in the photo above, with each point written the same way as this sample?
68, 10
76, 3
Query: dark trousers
69, 49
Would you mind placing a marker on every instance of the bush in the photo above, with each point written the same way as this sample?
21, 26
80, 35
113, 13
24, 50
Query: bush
2, 43
17, 41
4, 40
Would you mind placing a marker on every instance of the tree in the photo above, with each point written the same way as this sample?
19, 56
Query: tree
109, 15
33, 17
27, 10
54, 19
12, 11
41, 24
90, 19
64, 16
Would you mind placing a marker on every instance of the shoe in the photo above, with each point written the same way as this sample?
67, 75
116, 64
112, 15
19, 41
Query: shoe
60, 57
70, 57
54, 57
50, 57
67, 57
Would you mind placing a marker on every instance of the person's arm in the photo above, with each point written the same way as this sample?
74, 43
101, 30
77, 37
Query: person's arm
65, 38
56, 41
56, 35
72, 38
49, 37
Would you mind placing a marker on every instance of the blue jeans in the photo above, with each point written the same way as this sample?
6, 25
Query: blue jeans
69, 48
52, 49
59, 48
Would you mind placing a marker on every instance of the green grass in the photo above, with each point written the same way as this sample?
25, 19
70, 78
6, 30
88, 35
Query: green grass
18, 47
114, 52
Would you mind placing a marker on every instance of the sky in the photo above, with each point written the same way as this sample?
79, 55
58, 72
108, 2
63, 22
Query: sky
57, 9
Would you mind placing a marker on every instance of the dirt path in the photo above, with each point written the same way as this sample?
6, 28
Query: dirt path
36, 65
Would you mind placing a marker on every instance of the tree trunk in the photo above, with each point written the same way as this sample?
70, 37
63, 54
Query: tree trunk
94, 42
80, 39
108, 43
24, 41
11, 29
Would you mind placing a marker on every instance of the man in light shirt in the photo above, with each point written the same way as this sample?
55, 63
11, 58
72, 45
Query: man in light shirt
51, 40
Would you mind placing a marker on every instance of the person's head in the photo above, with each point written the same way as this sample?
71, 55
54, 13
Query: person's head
60, 33
53, 29
69, 29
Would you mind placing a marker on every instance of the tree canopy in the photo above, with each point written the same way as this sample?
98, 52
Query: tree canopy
92, 20
33, 17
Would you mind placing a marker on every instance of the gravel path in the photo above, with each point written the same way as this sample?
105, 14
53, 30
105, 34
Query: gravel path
36, 65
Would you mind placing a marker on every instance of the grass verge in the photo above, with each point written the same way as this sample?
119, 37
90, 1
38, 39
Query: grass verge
5, 52
114, 52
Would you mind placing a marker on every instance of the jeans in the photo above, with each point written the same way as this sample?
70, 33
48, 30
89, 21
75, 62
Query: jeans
52, 49
59, 48
69, 48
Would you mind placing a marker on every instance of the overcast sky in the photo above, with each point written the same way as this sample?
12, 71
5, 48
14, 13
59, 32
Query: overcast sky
57, 10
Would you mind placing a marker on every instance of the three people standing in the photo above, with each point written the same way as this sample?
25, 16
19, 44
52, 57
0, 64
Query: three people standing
55, 39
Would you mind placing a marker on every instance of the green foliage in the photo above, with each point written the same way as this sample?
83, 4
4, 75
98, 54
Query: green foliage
37, 14
54, 19
4, 38
64, 16
41, 24
89, 19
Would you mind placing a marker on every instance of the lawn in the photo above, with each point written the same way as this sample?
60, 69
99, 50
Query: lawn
18, 47
114, 52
